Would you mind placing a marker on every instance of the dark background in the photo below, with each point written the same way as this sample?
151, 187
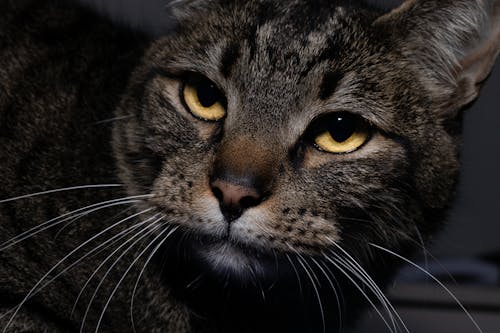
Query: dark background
474, 226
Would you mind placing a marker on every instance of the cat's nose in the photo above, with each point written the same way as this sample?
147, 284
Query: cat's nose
234, 199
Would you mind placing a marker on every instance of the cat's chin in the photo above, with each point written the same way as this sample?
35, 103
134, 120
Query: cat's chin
229, 260
224, 260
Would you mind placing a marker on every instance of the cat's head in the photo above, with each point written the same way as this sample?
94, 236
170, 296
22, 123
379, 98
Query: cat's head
282, 128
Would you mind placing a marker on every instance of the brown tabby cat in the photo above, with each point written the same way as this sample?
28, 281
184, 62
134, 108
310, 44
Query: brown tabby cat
251, 171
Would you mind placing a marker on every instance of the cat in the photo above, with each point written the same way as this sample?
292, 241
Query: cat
264, 167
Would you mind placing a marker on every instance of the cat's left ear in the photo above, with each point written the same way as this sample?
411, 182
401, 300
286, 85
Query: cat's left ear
453, 44
184, 10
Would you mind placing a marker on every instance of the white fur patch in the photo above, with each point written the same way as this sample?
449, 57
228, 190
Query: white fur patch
226, 257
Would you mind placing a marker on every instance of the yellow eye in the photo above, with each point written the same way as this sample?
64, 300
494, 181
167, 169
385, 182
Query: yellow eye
204, 99
342, 133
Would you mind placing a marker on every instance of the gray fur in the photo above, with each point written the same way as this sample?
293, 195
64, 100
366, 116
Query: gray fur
64, 72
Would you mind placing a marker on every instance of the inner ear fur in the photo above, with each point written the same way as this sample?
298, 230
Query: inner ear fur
452, 44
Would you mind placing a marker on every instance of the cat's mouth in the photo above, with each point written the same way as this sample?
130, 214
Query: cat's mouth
251, 246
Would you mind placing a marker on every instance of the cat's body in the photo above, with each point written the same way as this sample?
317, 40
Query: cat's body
67, 118
63, 71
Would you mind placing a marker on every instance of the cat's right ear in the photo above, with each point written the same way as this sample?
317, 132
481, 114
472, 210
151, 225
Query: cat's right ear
452, 44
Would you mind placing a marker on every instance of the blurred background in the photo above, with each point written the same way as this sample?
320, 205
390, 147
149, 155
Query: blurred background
468, 249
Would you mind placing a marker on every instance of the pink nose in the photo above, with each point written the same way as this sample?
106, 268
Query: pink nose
234, 198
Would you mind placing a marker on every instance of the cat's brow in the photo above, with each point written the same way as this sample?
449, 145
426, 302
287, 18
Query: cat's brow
329, 84
229, 58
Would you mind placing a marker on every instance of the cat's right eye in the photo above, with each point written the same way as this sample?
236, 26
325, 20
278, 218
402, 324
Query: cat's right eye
204, 99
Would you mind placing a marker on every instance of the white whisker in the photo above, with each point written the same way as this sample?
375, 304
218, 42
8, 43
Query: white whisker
147, 231
110, 120
330, 282
435, 279
34, 232
60, 190
62, 218
67, 224
46, 275
315, 288
358, 287
367, 281
102, 246
139, 278
114, 239
296, 274
372, 285
132, 265
422, 245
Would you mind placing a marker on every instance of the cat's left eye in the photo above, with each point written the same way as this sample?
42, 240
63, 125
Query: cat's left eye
204, 99
341, 132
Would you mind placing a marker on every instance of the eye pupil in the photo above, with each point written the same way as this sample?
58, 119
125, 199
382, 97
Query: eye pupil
208, 94
340, 132
342, 128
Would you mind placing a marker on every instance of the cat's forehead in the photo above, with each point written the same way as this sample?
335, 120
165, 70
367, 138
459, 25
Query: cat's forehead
274, 60
273, 36
280, 36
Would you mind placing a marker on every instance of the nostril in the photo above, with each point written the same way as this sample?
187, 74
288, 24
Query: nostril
249, 201
218, 193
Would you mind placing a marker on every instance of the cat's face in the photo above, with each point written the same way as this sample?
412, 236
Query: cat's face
267, 129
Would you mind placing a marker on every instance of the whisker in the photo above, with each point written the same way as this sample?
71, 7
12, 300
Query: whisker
357, 286
314, 275
62, 218
419, 242
195, 281
140, 275
132, 265
113, 241
30, 293
296, 274
428, 254
367, 281
58, 233
60, 190
372, 285
330, 282
315, 288
110, 120
448, 291
276, 267
256, 282
36, 230
147, 231
422, 245
101, 246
